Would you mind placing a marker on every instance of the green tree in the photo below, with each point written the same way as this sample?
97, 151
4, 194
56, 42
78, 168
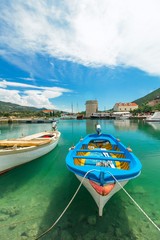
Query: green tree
146, 108
157, 107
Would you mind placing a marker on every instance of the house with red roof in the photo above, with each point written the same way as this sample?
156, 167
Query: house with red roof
47, 111
125, 107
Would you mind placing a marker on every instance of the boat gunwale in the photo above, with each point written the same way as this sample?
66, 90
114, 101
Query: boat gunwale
120, 174
16, 150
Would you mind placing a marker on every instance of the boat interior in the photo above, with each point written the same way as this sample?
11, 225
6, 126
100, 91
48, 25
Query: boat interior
28, 141
101, 153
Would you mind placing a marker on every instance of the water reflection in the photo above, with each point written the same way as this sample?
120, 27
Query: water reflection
109, 125
114, 126
155, 125
125, 125
152, 129
90, 125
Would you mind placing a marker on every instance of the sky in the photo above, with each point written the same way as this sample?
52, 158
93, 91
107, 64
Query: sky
59, 53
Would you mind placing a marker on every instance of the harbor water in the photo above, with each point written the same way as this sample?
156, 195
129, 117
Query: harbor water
33, 195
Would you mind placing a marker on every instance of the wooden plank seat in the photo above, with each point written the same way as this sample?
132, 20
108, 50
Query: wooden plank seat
23, 143
103, 158
101, 151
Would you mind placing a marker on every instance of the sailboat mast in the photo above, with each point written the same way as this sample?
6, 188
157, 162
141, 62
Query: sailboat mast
72, 108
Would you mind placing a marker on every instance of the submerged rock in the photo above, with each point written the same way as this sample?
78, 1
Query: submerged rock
24, 235
79, 237
82, 218
14, 211
24, 238
103, 236
118, 233
12, 226
92, 220
55, 234
10, 211
90, 235
3, 218
139, 190
66, 236
30, 232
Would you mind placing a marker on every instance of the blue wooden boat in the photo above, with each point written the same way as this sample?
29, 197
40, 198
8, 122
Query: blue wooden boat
103, 164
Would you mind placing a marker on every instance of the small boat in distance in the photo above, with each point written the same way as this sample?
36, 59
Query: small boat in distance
14, 152
122, 115
68, 116
154, 118
80, 116
103, 164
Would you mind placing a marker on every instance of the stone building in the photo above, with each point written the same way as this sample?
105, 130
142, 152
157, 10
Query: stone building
91, 107
122, 107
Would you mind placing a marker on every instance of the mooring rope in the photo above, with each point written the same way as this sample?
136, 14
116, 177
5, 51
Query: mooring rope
135, 202
49, 229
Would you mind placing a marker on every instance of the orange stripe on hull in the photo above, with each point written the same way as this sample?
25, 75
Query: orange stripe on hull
102, 190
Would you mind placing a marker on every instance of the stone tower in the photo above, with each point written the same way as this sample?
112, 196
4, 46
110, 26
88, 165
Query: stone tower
91, 107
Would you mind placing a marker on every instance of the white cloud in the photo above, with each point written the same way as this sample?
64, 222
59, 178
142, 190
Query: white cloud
31, 98
27, 78
11, 96
4, 83
91, 32
36, 97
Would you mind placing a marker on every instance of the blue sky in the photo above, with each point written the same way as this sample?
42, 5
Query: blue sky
57, 53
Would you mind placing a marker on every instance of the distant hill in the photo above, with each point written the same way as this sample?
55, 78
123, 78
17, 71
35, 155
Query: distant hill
149, 97
11, 107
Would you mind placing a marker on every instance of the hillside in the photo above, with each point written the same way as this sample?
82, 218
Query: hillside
148, 97
11, 107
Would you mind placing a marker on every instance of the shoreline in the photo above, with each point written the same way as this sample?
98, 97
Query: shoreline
38, 120
26, 120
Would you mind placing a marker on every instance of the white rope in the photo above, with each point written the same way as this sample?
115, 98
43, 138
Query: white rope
61, 215
135, 202
66, 206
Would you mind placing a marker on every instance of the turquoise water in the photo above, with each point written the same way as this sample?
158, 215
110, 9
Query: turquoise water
33, 196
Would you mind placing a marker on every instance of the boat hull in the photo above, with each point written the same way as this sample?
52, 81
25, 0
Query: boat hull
18, 156
100, 200
103, 164
154, 118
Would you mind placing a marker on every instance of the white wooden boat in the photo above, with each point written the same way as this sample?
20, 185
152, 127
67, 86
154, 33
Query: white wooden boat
14, 152
103, 164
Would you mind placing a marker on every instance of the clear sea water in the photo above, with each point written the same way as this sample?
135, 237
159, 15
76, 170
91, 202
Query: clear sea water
32, 196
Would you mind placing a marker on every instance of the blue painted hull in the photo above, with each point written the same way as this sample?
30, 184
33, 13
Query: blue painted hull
104, 165
103, 173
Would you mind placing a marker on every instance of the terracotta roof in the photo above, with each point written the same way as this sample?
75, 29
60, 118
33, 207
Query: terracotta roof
47, 111
127, 104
